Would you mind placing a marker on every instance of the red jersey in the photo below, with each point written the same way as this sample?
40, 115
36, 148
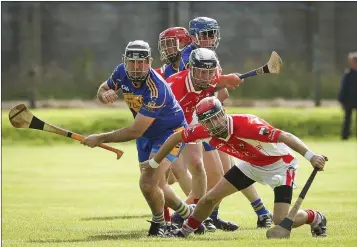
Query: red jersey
185, 93
161, 70
249, 138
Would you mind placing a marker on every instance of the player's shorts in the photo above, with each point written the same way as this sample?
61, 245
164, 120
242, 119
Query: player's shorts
146, 146
276, 174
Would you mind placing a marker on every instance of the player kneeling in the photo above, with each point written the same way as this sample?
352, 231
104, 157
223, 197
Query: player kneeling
264, 156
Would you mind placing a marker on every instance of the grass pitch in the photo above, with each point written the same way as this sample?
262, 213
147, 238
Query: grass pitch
70, 195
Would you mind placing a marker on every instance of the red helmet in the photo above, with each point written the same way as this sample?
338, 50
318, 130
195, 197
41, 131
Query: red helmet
210, 113
169, 43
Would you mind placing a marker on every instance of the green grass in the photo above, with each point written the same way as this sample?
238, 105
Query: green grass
70, 195
312, 123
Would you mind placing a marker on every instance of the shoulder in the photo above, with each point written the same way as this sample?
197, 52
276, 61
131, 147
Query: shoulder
119, 71
156, 87
244, 120
185, 54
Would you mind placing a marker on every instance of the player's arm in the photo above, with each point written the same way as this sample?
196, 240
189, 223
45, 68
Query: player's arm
137, 129
222, 94
107, 92
228, 81
166, 148
300, 147
188, 135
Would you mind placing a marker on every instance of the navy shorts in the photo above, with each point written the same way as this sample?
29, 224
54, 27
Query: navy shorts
146, 146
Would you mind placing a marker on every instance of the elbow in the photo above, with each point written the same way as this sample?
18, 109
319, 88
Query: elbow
284, 136
135, 133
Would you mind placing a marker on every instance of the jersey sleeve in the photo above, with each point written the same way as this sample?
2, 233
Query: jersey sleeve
114, 80
258, 129
154, 98
194, 133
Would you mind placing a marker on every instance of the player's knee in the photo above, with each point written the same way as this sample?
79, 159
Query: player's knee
283, 194
196, 165
146, 186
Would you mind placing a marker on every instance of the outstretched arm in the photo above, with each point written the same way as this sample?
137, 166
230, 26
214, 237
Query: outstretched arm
165, 149
299, 146
137, 129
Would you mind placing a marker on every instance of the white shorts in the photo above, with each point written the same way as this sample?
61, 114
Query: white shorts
275, 174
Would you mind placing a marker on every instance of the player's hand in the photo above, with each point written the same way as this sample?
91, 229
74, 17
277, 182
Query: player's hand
318, 161
230, 80
109, 96
92, 140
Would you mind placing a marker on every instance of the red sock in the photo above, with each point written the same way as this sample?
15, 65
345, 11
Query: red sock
194, 224
167, 213
310, 216
195, 201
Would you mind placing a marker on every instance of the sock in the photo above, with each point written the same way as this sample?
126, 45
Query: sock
167, 214
158, 218
313, 217
183, 210
214, 215
190, 225
259, 207
195, 201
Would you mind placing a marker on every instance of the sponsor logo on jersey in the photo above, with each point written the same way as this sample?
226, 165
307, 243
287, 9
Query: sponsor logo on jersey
125, 88
263, 131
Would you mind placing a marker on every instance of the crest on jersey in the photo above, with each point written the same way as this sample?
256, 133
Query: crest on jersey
263, 131
152, 102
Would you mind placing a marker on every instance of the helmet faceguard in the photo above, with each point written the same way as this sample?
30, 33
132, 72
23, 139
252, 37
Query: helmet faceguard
210, 114
203, 67
171, 42
205, 32
169, 49
137, 60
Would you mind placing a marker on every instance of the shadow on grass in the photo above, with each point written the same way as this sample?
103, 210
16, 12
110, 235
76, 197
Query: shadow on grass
125, 217
99, 237
117, 235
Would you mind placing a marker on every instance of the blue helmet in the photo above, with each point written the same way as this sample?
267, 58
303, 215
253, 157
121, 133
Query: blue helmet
204, 32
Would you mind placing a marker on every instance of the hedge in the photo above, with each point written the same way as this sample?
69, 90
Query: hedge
316, 123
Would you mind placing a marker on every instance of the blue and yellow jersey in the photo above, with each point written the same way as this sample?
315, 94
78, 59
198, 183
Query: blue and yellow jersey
153, 98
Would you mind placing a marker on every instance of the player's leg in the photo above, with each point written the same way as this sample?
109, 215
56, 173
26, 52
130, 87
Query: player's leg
282, 201
227, 161
149, 186
234, 180
193, 157
182, 175
262, 212
214, 171
281, 176
204, 208
171, 198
